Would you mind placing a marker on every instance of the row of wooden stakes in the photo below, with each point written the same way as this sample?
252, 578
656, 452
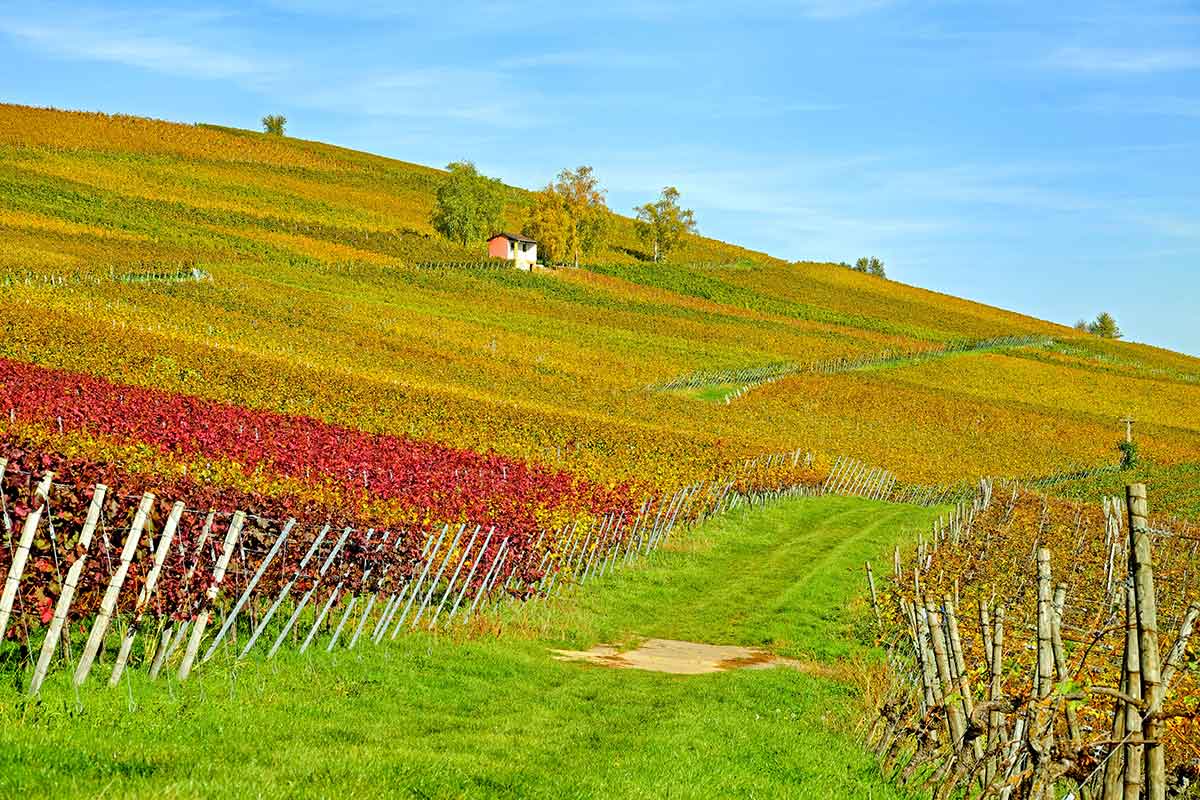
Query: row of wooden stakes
454, 564
937, 732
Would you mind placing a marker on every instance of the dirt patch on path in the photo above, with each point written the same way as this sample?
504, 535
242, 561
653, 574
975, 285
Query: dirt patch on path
685, 658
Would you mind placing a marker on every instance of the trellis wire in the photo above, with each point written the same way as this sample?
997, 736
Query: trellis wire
30, 278
242, 570
751, 377
1024, 737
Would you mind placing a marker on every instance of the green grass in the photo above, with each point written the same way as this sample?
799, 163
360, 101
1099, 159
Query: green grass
497, 717
710, 393
1174, 489
717, 392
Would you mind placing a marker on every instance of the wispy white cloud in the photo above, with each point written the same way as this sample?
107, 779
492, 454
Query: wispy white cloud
206, 45
1171, 225
750, 107
470, 15
466, 95
801, 204
1016, 185
1124, 61
837, 9
777, 9
583, 57
1165, 106
167, 44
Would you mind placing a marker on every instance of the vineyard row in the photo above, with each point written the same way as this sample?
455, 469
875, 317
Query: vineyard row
749, 378
189, 273
179, 586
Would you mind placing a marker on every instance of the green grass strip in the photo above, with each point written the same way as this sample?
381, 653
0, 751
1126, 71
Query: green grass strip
429, 717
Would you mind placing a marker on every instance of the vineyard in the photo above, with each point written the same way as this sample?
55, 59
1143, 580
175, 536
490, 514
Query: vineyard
84, 557
327, 295
748, 378
1039, 647
254, 411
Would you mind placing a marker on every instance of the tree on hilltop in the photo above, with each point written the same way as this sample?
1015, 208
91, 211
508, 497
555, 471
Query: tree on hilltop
1104, 326
468, 204
569, 217
662, 224
871, 266
580, 190
274, 124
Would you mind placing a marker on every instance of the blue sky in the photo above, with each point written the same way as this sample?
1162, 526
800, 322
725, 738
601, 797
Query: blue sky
1042, 157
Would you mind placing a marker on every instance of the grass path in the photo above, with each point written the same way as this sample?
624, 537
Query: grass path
722, 389
496, 717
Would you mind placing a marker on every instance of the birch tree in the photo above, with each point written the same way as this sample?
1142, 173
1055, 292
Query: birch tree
662, 224
570, 217
549, 222
587, 208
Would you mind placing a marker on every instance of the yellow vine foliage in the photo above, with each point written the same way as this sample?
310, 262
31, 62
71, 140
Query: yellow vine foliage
313, 305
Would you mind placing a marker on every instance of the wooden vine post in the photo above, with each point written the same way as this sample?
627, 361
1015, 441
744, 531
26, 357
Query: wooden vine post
108, 605
333, 596
996, 722
285, 591
489, 578
581, 552
1134, 748
189, 655
938, 734
333, 554
231, 619
959, 665
1142, 570
421, 580
955, 723
467, 583
5, 522
874, 598
1042, 733
28, 529
173, 638
1113, 768
1175, 657
437, 578
147, 592
454, 578
68, 591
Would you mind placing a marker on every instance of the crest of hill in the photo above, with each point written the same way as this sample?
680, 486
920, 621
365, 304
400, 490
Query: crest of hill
145, 179
369, 194
311, 305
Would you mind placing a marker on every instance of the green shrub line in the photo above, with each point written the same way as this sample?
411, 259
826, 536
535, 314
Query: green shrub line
185, 273
750, 377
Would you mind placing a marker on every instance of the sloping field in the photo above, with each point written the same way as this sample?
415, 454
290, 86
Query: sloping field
312, 305
253, 330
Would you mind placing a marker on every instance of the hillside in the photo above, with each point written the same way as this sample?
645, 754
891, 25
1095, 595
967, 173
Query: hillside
313, 305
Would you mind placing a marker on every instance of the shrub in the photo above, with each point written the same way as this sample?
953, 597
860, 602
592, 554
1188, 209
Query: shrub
274, 124
1105, 326
1129, 454
870, 266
